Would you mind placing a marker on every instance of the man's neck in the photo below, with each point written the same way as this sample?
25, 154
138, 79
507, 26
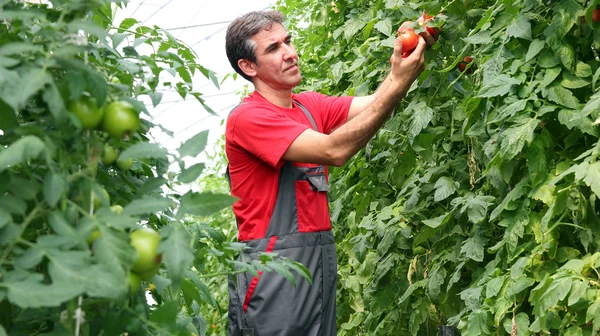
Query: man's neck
281, 98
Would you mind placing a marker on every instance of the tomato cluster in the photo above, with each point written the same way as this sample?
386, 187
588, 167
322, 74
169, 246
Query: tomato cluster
409, 38
147, 262
119, 119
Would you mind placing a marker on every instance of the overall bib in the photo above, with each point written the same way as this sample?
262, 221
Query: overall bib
269, 305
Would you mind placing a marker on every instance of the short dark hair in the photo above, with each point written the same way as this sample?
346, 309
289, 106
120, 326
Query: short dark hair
238, 43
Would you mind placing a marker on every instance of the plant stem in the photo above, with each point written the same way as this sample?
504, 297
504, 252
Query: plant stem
26, 222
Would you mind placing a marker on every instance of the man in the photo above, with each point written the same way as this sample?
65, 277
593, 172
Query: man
279, 145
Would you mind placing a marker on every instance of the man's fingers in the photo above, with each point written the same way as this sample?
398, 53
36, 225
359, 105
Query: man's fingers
428, 38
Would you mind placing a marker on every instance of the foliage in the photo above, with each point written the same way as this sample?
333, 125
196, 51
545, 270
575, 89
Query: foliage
476, 205
65, 253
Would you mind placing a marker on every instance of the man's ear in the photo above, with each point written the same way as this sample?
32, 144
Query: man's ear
248, 67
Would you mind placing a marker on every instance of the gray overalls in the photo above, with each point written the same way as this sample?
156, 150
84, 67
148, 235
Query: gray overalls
269, 305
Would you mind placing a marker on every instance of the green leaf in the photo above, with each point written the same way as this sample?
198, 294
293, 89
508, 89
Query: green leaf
384, 26
517, 269
5, 218
31, 258
583, 70
556, 291
127, 23
561, 96
550, 75
147, 205
444, 188
156, 97
473, 248
593, 313
143, 150
498, 86
421, 117
477, 207
76, 269
590, 175
177, 251
477, 324
570, 81
30, 292
283, 271
483, 37
27, 148
113, 249
353, 26
55, 103
26, 189
61, 227
205, 293
55, 186
592, 106
578, 290
534, 49
204, 204
13, 204
166, 314
536, 162
515, 138
195, 145
20, 48
190, 174
519, 323
438, 221
16, 89
520, 28
492, 288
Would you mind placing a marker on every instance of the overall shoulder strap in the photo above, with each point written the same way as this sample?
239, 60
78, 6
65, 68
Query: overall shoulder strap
308, 115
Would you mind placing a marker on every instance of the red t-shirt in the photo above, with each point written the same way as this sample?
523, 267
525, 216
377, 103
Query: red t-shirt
256, 136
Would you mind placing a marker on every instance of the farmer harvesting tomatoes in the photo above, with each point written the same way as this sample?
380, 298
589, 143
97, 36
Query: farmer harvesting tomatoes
279, 145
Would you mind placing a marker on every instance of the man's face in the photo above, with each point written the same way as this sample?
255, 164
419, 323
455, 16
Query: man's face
277, 61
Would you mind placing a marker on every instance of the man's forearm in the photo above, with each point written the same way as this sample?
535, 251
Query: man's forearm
354, 135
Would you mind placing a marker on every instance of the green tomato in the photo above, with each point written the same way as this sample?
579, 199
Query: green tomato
109, 155
86, 110
145, 241
116, 209
124, 164
134, 282
98, 199
93, 236
120, 118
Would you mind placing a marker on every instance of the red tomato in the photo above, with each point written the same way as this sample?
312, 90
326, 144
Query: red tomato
426, 18
596, 15
462, 66
409, 40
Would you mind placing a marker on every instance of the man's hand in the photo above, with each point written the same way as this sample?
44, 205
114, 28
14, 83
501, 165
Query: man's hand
406, 70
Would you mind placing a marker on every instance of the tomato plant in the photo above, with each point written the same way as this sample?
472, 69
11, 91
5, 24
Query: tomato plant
492, 175
466, 66
73, 231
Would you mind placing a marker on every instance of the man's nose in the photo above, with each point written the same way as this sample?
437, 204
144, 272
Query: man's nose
290, 52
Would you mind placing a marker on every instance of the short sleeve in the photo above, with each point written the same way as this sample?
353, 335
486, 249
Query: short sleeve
265, 133
333, 110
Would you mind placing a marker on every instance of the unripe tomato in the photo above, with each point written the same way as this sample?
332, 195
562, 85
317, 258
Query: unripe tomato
120, 118
86, 110
93, 236
124, 164
116, 209
145, 241
109, 155
134, 282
